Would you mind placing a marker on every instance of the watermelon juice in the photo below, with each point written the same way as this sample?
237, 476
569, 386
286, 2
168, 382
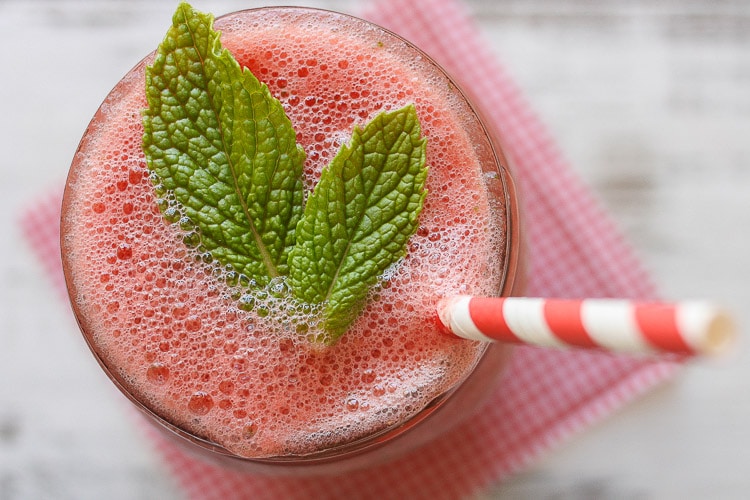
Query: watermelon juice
164, 319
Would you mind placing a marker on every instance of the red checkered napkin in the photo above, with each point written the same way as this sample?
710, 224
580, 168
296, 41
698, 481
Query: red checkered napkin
575, 252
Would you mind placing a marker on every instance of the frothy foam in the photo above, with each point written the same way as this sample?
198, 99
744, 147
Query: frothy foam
236, 367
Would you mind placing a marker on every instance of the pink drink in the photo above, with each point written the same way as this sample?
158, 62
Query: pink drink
167, 327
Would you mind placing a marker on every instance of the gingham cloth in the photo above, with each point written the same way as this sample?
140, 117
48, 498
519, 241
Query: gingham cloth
574, 250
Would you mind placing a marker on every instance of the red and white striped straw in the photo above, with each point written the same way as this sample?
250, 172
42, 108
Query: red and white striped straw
610, 324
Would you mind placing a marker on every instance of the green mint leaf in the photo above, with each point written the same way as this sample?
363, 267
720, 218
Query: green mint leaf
223, 146
359, 217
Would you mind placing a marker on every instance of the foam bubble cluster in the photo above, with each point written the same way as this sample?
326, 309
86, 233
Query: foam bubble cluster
232, 364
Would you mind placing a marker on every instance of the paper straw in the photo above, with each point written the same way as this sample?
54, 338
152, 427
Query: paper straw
610, 324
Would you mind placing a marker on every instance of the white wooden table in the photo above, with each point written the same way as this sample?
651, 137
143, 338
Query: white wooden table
650, 102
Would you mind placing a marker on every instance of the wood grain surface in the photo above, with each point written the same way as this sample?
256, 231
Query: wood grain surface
650, 103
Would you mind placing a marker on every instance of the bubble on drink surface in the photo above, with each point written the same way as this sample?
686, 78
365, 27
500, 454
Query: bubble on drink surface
200, 403
352, 404
157, 374
223, 360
